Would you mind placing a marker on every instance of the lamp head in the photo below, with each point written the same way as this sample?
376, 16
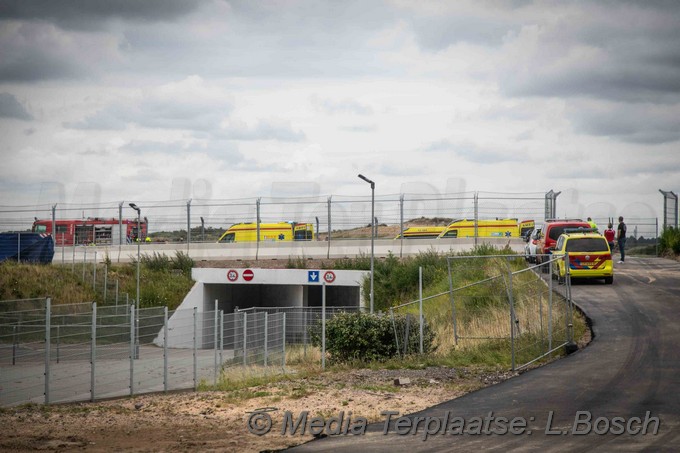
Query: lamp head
367, 180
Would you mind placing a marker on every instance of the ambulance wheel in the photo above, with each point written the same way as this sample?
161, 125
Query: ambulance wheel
609, 280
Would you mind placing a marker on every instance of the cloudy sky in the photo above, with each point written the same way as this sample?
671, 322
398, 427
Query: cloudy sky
163, 99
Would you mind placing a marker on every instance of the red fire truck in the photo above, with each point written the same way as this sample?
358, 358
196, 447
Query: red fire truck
93, 231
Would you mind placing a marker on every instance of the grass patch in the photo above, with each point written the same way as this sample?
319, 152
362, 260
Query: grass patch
163, 281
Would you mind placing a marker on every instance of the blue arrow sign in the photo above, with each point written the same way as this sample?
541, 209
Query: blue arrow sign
313, 276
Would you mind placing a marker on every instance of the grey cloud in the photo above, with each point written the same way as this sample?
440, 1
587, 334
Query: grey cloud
526, 135
441, 145
40, 51
659, 165
110, 118
310, 39
263, 130
590, 171
220, 150
472, 153
435, 33
479, 155
159, 114
396, 170
633, 123
606, 50
94, 153
87, 14
11, 108
332, 107
361, 129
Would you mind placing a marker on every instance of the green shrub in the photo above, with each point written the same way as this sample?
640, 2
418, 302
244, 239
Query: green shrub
298, 262
669, 242
183, 262
369, 337
155, 262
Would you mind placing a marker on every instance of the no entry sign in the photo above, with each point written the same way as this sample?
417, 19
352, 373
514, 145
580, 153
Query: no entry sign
248, 275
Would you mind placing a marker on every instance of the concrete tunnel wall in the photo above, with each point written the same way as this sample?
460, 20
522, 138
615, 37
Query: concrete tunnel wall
267, 288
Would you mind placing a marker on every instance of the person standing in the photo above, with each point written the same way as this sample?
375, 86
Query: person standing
621, 239
610, 235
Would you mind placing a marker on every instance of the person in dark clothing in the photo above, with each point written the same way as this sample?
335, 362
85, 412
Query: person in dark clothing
621, 239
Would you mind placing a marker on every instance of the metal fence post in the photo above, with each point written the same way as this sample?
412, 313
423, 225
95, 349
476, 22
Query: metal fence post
221, 337
283, 359
550, 305
215, 320
266, 336
394, 327
93, 350
132, 350
245, 338
15, 345
94, 272
165, 349
420, 305
570, 313
328, 251
106, 275
475, 201
304, 334
407, 331
323, 325
84, 259
58, 342
453, 303
195, 348
656, 237
513, 320
19, 248
257, 225
48, 330
188, 224
401, 227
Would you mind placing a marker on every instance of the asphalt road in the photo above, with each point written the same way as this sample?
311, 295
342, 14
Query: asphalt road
630, 371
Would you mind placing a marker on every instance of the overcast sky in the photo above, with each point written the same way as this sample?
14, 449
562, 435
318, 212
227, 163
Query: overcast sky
161, 99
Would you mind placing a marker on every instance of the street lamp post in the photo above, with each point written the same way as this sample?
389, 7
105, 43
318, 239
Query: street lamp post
202, 229
139, 221
372, 232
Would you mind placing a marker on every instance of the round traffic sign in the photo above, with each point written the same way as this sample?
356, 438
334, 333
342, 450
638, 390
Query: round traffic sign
232, 275
248, 275
329, 276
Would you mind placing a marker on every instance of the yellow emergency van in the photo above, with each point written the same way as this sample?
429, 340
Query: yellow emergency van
423, 232
509, 228
269, 232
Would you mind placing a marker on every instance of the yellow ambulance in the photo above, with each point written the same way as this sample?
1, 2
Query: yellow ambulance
269, 232
508, 228
424, 232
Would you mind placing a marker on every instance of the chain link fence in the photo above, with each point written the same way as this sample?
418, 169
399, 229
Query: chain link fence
502, 304
80, 352
202, 220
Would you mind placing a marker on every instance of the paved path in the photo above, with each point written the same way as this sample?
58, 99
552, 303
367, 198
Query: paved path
632, 367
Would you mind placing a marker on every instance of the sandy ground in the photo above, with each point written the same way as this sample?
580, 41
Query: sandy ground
217, 421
